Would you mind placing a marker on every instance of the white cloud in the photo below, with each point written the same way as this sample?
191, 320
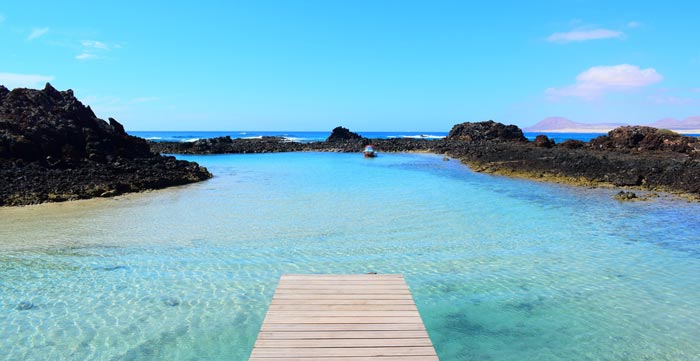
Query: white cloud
12, 80
95, 44
584, 35
85, 56
634, 24
598, 80
37, 32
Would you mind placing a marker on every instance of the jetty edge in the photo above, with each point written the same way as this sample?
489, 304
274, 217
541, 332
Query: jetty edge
635, 157
53, 148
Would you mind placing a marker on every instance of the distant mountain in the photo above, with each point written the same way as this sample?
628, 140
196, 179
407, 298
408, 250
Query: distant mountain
564, 125
690, 123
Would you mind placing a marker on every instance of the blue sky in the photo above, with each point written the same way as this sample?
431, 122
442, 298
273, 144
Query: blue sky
368, 65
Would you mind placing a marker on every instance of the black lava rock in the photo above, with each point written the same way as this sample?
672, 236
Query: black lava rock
341, 133
53, 148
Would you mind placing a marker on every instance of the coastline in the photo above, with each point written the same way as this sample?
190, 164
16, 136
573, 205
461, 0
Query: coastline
638, 158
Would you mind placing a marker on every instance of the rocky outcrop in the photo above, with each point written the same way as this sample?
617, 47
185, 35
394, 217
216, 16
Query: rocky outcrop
486, 131
644, 139
227, 145
342, 134
53, 148
543, 141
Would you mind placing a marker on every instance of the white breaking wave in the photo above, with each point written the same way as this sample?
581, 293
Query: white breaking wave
419, 136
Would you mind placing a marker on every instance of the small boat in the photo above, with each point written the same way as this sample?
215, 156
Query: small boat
369, 151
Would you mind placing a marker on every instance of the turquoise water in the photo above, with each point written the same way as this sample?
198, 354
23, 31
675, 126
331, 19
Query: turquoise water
501, 269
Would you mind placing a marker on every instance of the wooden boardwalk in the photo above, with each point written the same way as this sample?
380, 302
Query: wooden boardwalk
343, 318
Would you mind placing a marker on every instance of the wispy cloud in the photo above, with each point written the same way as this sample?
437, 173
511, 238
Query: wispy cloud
95, 44
2, 18
13, 80
85, 56
145, 99
584, 35
37, 32
94, 49
598, 80
634, 24
672, 100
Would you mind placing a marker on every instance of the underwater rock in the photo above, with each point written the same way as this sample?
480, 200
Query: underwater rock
171, 301
25, 305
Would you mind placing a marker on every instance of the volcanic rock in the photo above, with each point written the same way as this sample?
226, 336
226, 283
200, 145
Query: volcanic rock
486, 131
53, 148
543, 141
341, 134
642, 138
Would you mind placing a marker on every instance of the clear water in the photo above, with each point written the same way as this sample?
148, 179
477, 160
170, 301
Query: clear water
501, 269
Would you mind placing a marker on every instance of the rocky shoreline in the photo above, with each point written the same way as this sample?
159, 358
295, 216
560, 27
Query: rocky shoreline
631, 156
53, 148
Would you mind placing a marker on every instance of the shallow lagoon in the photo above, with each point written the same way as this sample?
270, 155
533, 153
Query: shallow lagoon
501, 269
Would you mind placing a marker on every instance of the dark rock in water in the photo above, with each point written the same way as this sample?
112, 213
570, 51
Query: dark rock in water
341, 133
543, 141
625, 196
53, 148
171, 301
25, 305
114, 268
486, 131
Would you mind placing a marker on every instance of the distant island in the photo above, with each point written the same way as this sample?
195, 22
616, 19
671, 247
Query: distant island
690, 125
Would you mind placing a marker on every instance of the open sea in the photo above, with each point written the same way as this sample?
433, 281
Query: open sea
500, 268
305, 137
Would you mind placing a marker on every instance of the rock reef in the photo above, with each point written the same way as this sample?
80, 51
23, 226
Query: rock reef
641, 157
53, 148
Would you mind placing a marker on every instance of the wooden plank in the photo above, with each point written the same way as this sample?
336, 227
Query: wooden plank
336, 296
341, 307
342, 351
331, 319
355, 342
342, 334
341, 277
306, 301
357, 358
341, 313
342, 327
343, 317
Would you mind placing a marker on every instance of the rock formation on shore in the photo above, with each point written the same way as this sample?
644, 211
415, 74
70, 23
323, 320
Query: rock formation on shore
342, 134
486, 131
53, 148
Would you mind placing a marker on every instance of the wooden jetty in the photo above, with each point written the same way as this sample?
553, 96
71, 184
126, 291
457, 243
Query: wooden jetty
364, 317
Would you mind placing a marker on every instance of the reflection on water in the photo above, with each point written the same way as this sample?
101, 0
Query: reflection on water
501, 269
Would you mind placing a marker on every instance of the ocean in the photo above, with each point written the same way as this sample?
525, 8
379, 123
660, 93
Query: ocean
315, 136
500, 268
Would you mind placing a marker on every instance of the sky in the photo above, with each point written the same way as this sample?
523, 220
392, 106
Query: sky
369, 65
